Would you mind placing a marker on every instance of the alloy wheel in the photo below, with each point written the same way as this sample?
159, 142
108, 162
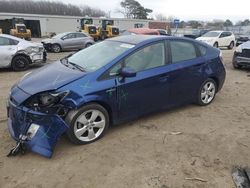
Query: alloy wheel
208, 92
89, 125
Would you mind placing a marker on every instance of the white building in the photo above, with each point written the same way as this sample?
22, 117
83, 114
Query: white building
43, 25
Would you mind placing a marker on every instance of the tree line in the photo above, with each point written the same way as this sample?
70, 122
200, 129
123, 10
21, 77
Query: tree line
48, 7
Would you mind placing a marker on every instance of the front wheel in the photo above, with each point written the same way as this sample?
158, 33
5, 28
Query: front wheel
216, 45
87, 124
56, 48
207, 92
231, 45
20, 63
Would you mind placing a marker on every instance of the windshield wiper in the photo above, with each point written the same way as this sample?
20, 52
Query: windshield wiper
77, 66
67, 64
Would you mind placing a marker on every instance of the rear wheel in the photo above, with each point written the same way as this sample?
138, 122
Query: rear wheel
207, 92
87, 124
88, 45
56, 48
20, 63
231, 45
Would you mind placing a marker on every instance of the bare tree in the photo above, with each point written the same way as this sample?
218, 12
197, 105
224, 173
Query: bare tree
48, 7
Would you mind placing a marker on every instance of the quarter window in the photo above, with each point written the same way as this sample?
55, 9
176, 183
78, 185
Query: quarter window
182, 51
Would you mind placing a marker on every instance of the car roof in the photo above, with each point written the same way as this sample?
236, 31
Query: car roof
10, 37
135, 39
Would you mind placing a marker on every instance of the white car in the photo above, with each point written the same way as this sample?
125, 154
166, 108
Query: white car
19, 54
219, 39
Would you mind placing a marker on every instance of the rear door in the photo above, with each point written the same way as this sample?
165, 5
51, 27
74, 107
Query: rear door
69, 41
8, 48
80, 40
186, 71
223, 39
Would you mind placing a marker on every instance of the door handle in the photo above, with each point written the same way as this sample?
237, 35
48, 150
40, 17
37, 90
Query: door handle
163, 78
110, 90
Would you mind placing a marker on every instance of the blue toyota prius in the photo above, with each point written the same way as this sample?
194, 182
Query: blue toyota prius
113, 81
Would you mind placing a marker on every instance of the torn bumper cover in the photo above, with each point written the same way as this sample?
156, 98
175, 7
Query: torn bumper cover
41, 131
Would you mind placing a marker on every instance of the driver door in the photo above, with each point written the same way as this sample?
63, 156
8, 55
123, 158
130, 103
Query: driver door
149, 90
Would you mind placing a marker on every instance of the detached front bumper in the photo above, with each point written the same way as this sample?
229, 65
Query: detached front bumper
42, 130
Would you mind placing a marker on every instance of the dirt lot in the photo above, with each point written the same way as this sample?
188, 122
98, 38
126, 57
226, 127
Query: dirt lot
144, 153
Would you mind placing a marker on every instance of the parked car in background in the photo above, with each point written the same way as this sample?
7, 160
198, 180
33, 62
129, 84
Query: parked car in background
19, 54
163, 32
68, 41
241, 56
195, 33
111, 82
141, 31
243, 38
218, 39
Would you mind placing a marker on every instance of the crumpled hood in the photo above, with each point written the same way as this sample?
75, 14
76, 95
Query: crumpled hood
50, 77
47, 40
245, 45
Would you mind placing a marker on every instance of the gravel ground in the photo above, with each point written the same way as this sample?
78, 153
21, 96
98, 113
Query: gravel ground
144, 153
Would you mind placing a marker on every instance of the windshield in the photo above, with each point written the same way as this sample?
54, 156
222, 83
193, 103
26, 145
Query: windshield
98, 55
211, 34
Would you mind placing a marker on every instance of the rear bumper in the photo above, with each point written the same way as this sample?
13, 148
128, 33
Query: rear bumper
50, 128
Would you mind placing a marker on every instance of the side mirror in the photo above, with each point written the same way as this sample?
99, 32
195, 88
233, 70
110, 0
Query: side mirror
127, 72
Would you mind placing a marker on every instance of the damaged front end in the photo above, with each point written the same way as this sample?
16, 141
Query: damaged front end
36, 121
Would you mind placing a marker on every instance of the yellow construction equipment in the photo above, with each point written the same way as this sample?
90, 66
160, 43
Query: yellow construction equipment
88, 27
107, 29
19, 29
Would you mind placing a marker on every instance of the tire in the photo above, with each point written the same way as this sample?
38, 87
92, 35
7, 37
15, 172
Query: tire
89, 119
20, 63
88, 45
231, 45
216, 45
207, 92
56, 48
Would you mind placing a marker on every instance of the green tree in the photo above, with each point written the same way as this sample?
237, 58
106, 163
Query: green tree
133, 9
245, 22
228, 23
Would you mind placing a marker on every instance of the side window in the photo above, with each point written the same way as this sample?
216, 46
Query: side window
80, 35
149, 57
228, 34
223, 35
182, 51
202, 49
69, 36
5, 41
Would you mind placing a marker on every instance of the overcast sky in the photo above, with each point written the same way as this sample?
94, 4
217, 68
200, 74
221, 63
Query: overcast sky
182, 9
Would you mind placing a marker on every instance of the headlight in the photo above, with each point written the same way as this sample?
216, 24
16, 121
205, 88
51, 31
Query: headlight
239, 49
33, 49
46, 99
